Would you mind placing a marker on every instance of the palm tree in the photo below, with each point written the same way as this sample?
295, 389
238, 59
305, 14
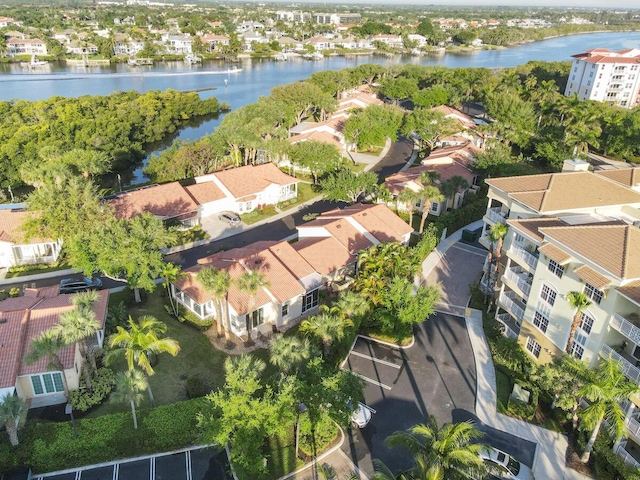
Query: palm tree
171, 273
287, 353
428, 194
452, 186
351, 305
78, 326
579, 301
450, 450
139, 342
10, 409
327, 328
605, 392
48, 345
421, 471
217, 283
496, 235
129, 386
249, 283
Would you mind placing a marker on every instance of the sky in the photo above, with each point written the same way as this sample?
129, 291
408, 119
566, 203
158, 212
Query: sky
604, 4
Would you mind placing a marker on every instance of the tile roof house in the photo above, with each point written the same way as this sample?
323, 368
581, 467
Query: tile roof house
468, 128
21, 320
327, 249
14, 249
241, 190
29, 46
447, 163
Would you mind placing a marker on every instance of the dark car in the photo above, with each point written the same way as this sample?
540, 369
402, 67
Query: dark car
230, 217
72, 285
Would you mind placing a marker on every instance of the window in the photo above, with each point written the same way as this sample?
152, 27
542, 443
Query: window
541, 321
47, 383
533, 347
555, 268
586, 322
285, 309
434, 207
548, 294
577, 350
256, 317
593, 293
310, 300
519, 239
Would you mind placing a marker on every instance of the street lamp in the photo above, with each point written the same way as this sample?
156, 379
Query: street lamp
301, 409
68, 409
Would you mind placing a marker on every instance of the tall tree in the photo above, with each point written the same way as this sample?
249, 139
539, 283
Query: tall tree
578, 301
171, 273
327, 328
250, 283
129, 387
451, 448
496, 235
318, 157
10, 409
139, 342
452, 186
217, 283
306, 99
348, 186
47, 345
288, 353
77, 326
605, 392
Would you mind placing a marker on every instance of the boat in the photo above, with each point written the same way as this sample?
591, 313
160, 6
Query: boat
192, 59
280, 57
234, 69
34, 63
135, 62
313, 56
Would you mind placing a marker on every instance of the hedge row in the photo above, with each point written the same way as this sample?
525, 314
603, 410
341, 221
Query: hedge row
46, 447
473, 210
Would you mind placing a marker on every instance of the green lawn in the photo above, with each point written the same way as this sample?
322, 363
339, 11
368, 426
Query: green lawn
197, 358
504, 387
192, 235
305, 192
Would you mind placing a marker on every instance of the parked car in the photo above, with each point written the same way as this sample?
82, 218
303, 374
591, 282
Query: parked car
73, 285
503, 466
230, 217
361, 415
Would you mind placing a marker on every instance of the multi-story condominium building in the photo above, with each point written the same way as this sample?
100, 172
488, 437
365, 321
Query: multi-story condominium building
605, 76
336, 18
293, 16
575, 231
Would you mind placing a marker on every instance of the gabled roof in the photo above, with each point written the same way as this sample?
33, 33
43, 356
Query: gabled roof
24, 318
463, 119
626, 176
165, 201
614, 248
325, 254
555, 192
532, 226
252, 179
205, 192
11, 221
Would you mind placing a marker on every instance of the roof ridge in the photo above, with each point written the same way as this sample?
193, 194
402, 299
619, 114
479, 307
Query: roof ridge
625, 250
21, 341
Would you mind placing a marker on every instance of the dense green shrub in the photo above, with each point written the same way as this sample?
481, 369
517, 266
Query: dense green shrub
525, 411
473, 210
197, 387
192, 319
83, 400
324, 433
607, 464
46, 447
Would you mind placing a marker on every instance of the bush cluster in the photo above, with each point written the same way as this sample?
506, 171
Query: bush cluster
83, 400
192, 319
473, 210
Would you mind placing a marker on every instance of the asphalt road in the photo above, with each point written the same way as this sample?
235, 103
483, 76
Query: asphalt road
436, 376
392, 162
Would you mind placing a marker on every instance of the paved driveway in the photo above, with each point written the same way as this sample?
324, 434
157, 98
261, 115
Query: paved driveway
192, 464
436, 376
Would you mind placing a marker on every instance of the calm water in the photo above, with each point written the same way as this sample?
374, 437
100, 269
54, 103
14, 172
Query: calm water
260, 75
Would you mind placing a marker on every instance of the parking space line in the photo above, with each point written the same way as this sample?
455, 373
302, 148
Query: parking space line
471, 250
370, 380
187, 459
78, 474
152, 469
116, 471
383, 362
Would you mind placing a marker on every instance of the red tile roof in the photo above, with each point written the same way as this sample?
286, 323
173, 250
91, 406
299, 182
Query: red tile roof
205, 192
165, 201
325, 254
253, 179
11, 221
462, 118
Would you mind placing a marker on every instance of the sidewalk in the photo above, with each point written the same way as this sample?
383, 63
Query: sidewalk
549, 461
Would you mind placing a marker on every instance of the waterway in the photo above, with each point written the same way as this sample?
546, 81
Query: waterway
258, 76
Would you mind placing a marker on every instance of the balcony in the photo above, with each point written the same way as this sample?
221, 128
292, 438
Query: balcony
511, 328
508, 302
633, 429
633, 373
628, 454
496, 215
517, 278
627, 327
524, 258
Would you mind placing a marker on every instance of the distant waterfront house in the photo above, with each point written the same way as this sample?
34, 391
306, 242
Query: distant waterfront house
327, 250
468, 128
24, 318
177, 44
14, 249
30, 46
214, 43
241, 190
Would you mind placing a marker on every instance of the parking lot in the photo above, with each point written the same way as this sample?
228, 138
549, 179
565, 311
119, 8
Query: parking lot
435, 376
193, 464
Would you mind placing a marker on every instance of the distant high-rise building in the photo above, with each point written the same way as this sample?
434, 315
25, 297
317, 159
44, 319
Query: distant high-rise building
605, 76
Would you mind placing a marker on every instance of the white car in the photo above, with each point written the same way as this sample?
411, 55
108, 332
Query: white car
503, 466
361, 415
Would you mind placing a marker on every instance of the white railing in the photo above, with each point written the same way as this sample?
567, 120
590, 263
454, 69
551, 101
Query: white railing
629, 370
626, 456
519, 280
625, 327
504, 319
508, 304
633, 427
496, 215
521, 254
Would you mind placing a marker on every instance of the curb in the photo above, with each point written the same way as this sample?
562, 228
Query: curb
37, 276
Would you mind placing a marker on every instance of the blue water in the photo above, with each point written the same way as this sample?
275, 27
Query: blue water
258, 76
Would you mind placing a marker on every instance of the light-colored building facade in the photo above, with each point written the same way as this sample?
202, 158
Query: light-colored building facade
576, 231
29, 46
605, 76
